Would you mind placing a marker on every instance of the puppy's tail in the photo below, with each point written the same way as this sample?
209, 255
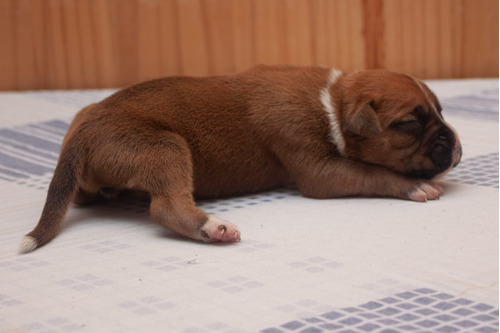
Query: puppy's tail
60, 193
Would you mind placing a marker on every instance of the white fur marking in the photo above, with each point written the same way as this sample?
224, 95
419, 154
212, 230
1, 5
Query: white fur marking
426, 94
336, 136
27, 244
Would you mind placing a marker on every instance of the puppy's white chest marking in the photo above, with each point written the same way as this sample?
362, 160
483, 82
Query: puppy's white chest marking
336, 136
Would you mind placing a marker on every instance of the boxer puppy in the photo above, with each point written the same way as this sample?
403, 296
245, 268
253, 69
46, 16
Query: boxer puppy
368, 133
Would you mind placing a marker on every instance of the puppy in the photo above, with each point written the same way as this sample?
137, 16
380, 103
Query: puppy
368, 133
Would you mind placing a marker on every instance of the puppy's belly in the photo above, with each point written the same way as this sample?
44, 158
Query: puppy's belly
247, 174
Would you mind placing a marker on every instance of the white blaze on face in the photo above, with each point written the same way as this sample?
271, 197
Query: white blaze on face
336, 136
427, 98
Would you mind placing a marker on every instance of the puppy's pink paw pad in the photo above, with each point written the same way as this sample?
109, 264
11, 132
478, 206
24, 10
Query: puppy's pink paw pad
216, 229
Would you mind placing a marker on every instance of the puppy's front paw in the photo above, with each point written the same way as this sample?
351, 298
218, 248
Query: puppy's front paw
425, 190
216, 229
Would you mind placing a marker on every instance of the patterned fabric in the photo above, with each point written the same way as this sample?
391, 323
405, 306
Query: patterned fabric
411, 311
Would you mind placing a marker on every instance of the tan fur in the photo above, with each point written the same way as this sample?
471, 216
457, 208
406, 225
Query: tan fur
179, 138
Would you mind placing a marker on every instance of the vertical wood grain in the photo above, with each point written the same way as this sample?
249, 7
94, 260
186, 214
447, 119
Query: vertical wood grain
72, 43
432, 42
271, 32
24, 64
299, 28
192, 39
148, 46
449, 29
373, 33
112, 43
221, 41
482, 15
333, 32
353, 27
7, 55
57, 60
243, 27
108, 38
169, 38
88, 48
124, 38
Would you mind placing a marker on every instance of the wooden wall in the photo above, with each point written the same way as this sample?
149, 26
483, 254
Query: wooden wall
49, 44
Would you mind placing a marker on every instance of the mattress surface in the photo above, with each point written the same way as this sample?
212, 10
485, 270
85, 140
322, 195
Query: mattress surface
303, 265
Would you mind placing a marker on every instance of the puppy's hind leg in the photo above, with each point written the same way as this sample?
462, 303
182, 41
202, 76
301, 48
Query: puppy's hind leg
171, 190
181, 215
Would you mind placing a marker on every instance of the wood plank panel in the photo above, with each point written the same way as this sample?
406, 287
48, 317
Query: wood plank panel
192, 38
56, 45
148, 40
480, 15
9, 77
270, 32
220, 35
373, 33
299, 32
112, 43
123, 37
445, 66
88, 47
243, 27
105, 40
169, 38
72, 43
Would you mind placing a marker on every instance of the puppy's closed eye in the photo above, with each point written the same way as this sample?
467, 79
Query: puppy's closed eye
413, 125
410, 126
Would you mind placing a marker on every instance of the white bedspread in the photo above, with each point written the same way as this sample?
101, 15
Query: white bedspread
303, 265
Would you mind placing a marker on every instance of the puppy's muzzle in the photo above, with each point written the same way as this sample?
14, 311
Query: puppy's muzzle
446, 150
441, 150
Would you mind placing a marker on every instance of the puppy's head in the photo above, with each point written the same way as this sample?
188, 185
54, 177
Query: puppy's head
395, 120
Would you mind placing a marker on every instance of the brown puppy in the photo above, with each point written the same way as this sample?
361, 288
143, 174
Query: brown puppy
369, 133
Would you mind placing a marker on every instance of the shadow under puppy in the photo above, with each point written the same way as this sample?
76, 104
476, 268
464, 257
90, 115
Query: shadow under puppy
368, 133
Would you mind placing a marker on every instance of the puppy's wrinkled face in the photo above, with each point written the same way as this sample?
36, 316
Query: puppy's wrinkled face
395, 121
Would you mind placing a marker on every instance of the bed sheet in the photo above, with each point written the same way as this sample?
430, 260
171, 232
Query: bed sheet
303, 265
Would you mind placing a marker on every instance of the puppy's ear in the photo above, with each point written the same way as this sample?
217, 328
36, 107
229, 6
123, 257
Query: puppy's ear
362, 120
